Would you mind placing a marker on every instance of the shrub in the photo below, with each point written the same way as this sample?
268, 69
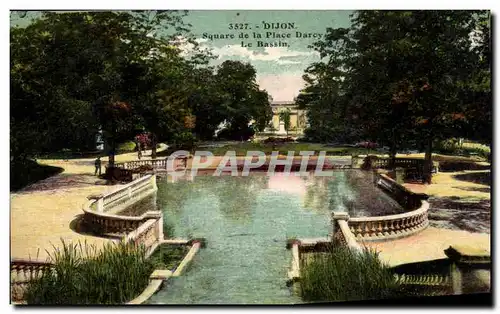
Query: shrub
342, 275
453, 147
24, 172
236, 134
184, 141
85, 275
277, 140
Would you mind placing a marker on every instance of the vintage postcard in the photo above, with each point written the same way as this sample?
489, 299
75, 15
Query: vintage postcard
239, 157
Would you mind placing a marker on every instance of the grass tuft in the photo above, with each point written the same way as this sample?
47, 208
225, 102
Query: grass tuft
83, 274
342, 275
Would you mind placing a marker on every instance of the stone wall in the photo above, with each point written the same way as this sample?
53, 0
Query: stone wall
149, 234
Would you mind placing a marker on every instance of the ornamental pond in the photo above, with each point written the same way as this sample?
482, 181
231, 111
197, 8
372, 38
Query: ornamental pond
246, 222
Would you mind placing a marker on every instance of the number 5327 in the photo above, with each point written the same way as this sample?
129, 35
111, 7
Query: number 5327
238, 26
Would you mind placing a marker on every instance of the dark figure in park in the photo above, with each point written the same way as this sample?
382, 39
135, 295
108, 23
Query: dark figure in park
97, 165
139, 154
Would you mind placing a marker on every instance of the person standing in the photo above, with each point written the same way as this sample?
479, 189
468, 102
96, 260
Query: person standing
97, 164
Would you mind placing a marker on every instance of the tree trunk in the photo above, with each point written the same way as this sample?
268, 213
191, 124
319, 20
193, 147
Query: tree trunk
153, 146
427, 171
392, 151
392, 157
112, 150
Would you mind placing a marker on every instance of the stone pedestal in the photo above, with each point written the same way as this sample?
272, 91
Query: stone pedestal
281, 129
471, 269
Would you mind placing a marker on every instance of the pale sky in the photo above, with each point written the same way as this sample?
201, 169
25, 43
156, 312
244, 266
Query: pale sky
279, 69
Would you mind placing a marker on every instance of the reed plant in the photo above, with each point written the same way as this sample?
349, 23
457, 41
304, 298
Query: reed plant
84, 274
344, 275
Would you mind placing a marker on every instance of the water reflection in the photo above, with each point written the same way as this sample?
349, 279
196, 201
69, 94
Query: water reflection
237, 196
351, 190
246, 221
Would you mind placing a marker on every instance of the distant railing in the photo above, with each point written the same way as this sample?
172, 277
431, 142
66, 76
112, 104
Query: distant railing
398, 162
156, 164
414, 167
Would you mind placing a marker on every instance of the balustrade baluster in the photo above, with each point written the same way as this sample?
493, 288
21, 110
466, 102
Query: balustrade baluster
391, 227
373, 230
360, 229
352, 228
419, 219
386, 228
397, 226
402, 225
379, 229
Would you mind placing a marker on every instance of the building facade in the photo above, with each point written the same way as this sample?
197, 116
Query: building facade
298, 120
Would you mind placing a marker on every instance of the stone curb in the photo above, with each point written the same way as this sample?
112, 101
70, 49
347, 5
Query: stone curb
160, 275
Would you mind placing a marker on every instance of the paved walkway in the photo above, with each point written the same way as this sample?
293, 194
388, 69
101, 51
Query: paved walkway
472, 185
427, 245
456, 202
42, 214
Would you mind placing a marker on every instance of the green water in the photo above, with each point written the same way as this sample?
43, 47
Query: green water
246, 221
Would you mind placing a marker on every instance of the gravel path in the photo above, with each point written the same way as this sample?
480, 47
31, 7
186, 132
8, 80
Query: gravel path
43, 213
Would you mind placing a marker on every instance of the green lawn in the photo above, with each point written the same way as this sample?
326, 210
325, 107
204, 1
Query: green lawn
241, 149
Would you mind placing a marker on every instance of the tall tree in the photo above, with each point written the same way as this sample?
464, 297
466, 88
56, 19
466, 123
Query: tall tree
241, 99
66, 66
403, 74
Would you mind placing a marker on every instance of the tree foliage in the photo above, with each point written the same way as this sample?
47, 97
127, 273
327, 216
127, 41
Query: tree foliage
125, 73
401, 78
285, 115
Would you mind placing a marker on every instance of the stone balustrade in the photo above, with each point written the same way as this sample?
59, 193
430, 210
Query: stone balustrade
100, 213
413, 167
115, 225
406, 198
126, 195
149, 234
424, 279
342, 234
21, 272
390, 227
380, 228
156, 164
377, 162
